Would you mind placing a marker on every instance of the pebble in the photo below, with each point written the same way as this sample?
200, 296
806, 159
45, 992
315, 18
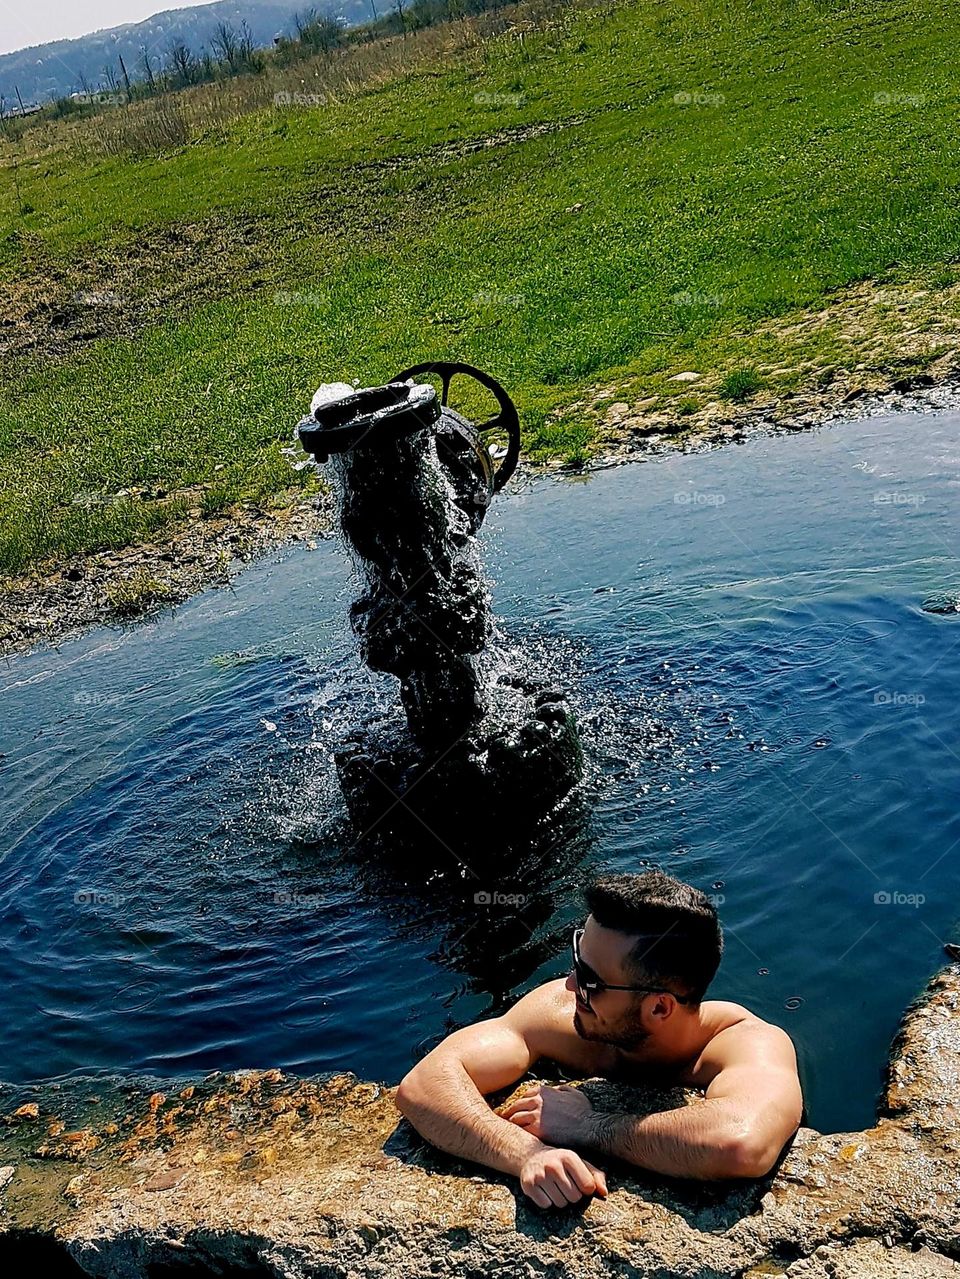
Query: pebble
162, 1181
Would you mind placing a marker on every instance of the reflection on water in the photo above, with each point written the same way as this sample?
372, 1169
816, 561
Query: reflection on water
767, 710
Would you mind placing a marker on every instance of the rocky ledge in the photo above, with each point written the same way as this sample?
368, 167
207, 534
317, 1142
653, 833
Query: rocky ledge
262, 1175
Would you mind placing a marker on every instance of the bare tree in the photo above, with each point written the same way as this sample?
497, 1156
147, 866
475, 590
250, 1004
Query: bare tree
126, 78
181, 66
246, 47
226, 45
148, 70
321, 32
109, 82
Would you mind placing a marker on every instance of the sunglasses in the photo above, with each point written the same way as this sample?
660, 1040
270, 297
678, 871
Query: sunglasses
588, 983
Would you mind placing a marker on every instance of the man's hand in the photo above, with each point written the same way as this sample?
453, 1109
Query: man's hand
560, 1116
556, 1178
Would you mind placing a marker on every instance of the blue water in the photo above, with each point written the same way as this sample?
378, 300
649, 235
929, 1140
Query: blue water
768, 712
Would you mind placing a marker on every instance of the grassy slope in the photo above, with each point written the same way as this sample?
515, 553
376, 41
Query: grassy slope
795, 181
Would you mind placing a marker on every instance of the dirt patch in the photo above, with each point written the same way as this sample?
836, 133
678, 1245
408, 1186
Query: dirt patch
112, 587
55, 306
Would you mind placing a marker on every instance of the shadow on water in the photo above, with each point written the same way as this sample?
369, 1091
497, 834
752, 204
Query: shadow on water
489, 910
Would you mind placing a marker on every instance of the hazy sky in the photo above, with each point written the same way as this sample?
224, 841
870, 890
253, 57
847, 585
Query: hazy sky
25, 22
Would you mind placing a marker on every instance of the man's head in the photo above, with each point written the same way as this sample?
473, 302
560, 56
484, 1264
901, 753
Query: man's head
648, 931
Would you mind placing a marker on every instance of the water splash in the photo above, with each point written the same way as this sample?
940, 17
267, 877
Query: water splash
483, 746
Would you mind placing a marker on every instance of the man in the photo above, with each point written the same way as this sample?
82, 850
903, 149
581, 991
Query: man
631, 1009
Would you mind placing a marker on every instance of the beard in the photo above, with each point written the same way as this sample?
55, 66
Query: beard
626, 1034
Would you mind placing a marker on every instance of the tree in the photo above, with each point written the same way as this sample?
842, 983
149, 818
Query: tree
126, 78
225, 45
319, 32
246, 47
181, 64
148, 70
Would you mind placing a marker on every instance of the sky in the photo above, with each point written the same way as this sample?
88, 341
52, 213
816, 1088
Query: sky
26, 22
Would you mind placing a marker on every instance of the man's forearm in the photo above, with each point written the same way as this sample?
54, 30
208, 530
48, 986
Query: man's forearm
446, 1108
701, 1141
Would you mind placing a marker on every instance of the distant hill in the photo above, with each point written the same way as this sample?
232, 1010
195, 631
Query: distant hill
68, 66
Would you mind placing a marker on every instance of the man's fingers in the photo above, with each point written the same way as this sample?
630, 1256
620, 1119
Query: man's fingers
568, 1186
523, 1118
582, 1173
600, 1177
557, 1197
521, 1104
539, 1197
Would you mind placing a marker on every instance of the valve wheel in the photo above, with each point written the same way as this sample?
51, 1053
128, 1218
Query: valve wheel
507, 421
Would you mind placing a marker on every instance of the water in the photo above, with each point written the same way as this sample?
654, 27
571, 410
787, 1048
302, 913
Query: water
767, 711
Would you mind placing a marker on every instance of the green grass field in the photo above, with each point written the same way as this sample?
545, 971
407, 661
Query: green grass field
733, 161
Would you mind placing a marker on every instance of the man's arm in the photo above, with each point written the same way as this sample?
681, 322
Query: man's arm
751, 1108
443, 1097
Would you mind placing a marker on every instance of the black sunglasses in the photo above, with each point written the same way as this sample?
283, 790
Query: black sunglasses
588, 982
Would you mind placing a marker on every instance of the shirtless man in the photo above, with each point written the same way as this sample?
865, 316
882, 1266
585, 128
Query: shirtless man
631, 1008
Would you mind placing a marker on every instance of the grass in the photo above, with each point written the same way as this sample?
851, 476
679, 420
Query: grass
739, 384
663, 180
134, 594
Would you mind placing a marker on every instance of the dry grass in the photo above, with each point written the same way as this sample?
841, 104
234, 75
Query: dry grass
154, 126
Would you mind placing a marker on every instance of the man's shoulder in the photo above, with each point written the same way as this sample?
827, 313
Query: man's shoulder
544, 1007
544, 1017
736, 1033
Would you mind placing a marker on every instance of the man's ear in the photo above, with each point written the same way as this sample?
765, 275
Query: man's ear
663, 1007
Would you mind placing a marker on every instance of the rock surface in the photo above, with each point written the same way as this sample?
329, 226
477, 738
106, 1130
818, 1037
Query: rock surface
261, 1174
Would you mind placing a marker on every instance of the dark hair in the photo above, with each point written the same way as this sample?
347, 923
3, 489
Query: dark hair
679, 941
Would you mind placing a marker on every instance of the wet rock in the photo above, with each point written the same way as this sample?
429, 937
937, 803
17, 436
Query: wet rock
945, 605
